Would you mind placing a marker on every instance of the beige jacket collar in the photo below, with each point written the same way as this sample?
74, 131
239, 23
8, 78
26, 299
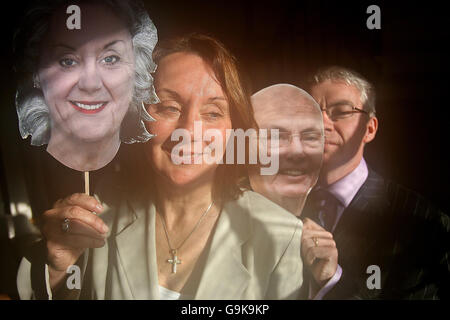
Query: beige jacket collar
224, 275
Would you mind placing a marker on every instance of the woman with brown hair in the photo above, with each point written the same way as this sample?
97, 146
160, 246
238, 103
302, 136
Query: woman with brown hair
194, 233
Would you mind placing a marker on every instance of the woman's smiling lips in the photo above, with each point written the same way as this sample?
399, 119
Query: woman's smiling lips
184, 158
89, 107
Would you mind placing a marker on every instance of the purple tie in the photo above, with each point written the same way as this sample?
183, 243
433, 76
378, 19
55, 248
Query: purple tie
326, 206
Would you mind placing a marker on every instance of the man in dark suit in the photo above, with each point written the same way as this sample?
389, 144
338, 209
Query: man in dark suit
391, 243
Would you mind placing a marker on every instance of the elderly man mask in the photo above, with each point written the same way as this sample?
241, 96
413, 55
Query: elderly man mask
298, 119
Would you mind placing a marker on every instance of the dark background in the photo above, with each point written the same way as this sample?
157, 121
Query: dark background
284, 41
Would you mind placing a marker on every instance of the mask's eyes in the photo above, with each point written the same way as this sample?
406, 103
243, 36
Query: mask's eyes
284, 136
312, 139
311, 136
110, 60
67, 62
275, 137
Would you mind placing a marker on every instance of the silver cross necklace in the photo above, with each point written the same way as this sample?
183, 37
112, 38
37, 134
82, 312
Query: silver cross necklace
173, 251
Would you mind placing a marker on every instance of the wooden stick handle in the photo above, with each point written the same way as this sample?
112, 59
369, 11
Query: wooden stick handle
86, 182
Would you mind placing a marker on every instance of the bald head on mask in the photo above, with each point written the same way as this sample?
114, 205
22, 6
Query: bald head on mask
297, 117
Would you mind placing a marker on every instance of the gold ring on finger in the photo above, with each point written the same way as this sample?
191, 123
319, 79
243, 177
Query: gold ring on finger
316, 241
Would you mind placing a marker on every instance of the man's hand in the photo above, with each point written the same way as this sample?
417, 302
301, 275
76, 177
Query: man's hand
319, 252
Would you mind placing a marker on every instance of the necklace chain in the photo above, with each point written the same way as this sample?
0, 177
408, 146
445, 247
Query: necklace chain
192, 231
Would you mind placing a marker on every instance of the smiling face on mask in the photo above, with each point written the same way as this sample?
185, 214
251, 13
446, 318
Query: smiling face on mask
299, 122
87, 79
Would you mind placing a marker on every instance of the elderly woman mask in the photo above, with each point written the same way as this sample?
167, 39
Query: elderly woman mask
88, 81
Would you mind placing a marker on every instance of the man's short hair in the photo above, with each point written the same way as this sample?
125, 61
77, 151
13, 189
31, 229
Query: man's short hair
350, 77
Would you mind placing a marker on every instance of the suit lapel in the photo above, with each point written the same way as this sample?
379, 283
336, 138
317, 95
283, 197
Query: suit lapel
356, 233
361, 236
359, 212
352, 232
137, 251
225, 275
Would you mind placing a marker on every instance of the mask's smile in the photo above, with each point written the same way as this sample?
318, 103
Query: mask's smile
88, 107
291, 172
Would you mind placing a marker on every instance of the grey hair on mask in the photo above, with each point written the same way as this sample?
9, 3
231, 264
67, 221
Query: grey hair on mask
32, 110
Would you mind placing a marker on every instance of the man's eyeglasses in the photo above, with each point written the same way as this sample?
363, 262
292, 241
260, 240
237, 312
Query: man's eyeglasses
342, 111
